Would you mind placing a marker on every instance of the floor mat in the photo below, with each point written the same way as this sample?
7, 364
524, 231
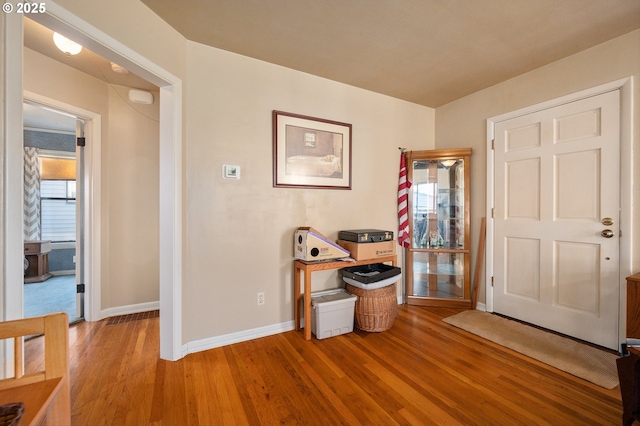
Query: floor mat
579, 359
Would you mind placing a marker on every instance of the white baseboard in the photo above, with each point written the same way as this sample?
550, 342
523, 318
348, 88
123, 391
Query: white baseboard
62, 273
240, 336
254, 333
129, 309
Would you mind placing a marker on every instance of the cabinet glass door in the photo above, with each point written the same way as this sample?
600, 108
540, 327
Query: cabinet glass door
438, 199
438, 258
438, 275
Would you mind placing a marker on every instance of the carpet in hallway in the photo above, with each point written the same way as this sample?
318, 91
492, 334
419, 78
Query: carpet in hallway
57, 294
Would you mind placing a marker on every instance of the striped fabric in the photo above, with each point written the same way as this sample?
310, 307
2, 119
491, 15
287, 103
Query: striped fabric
403, 206
31, 207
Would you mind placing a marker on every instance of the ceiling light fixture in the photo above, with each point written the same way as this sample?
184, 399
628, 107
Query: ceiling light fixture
118, 69
67, 46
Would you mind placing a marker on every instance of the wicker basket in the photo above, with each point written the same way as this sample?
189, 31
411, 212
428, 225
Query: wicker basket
10, 414
375, 309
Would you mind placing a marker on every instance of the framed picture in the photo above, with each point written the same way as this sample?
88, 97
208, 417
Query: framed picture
310, 152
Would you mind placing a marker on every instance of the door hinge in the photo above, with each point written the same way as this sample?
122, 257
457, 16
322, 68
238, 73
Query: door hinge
81, 141
491, 281
493, 144
80, 288
492, 211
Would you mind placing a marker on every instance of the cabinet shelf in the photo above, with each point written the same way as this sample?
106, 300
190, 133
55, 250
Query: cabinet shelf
445, 270
440, 250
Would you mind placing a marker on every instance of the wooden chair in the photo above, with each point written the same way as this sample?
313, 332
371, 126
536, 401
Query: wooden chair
45, 394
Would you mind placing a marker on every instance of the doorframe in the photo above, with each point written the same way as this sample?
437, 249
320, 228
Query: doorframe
625, 86
11, 209
92, 196
170, 179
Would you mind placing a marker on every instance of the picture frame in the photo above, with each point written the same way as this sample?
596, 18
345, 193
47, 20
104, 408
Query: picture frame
310, 152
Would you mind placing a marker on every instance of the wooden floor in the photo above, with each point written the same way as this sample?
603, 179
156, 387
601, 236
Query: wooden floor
422, 371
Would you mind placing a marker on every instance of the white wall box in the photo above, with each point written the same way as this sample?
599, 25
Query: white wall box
332, 313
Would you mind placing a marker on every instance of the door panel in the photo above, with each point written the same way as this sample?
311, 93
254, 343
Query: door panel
523, 267
523, 189
578, 170
556, 179
578, 276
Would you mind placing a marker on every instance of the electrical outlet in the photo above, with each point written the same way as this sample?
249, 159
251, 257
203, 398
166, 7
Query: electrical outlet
260, 298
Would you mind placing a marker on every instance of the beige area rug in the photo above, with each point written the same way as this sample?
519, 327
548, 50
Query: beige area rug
581, 360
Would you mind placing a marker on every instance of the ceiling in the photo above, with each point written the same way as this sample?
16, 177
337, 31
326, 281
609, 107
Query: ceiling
36, 117
429, 52
40, 39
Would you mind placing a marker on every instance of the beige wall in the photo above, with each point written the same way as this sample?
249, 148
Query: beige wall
240, 233
131, 173
56, 80
462, 123
129, 233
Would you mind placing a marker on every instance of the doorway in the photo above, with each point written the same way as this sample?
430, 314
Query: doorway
51, 209
59, 191
53, 226
171, 223
555, 199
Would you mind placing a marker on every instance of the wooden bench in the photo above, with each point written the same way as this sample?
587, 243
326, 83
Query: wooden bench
45, 394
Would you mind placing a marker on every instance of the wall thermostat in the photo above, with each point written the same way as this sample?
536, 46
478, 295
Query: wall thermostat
230, 172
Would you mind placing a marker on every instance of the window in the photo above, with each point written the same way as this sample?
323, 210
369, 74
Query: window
58, 211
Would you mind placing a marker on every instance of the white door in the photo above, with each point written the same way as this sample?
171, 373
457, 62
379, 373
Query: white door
81, 189
556, 218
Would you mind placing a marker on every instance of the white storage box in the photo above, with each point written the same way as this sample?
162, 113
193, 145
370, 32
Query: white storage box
332, 312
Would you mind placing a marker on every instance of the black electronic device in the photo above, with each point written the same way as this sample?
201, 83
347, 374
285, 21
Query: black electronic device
366, 235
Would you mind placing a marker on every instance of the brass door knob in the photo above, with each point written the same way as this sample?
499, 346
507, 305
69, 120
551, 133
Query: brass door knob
607, 233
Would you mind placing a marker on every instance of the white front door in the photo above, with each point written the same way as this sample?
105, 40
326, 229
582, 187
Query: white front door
556, 218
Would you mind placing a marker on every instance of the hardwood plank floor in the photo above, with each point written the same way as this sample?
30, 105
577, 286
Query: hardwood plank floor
421, 372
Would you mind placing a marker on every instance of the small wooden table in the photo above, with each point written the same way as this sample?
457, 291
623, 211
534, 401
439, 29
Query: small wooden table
633, 306
629, 365
301, 266
629, 376
37, 254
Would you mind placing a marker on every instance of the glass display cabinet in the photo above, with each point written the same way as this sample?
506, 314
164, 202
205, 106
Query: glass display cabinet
438, 260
